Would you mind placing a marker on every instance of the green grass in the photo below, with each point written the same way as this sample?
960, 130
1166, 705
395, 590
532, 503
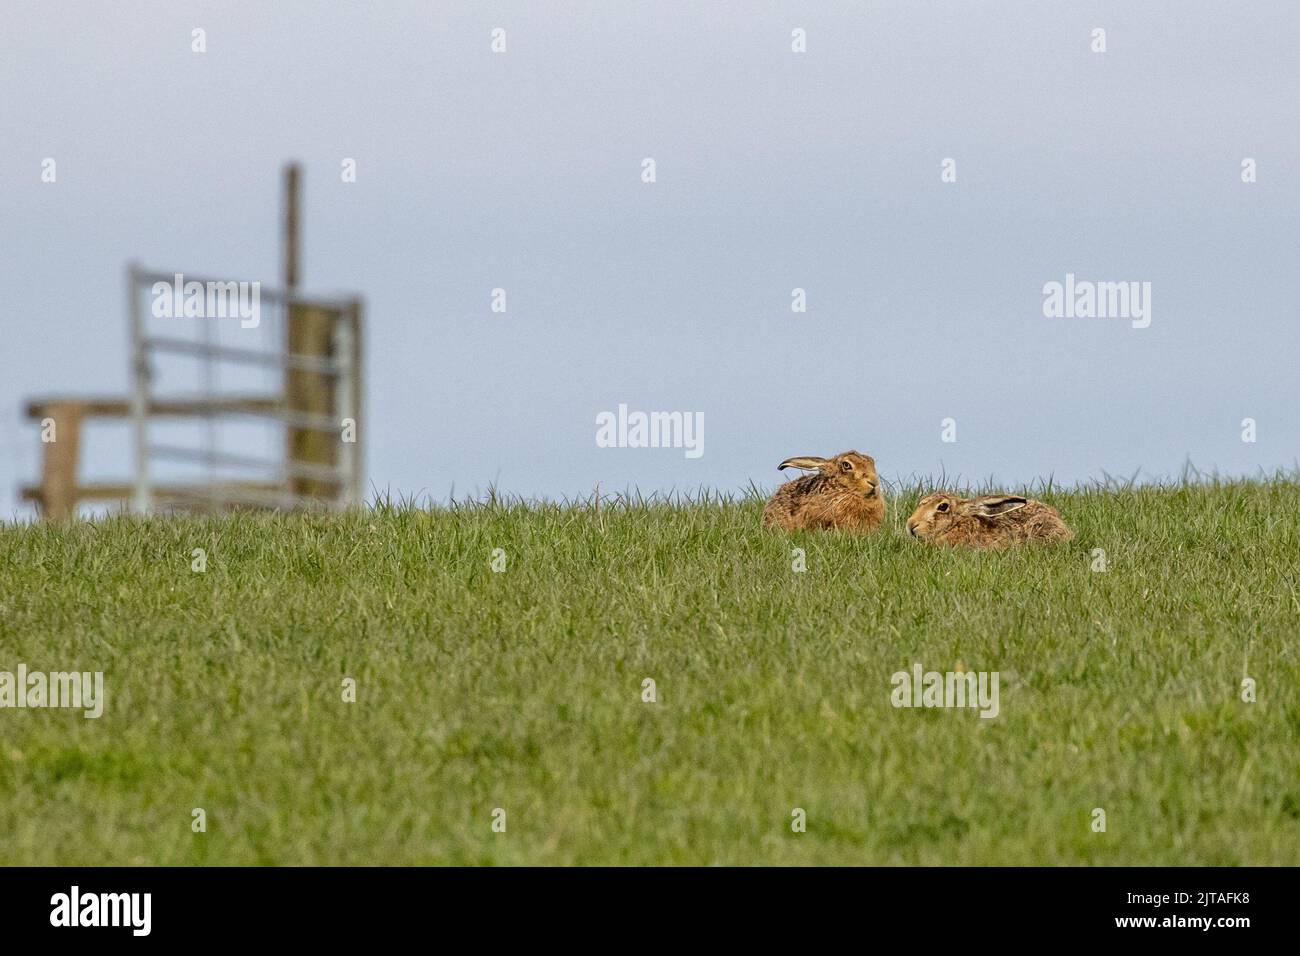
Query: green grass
522, 690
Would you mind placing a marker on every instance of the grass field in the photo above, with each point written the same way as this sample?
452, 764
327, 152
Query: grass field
522, 690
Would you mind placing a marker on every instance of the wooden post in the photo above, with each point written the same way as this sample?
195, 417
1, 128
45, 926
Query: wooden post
292, 193
356, 473
59, 471
309, 333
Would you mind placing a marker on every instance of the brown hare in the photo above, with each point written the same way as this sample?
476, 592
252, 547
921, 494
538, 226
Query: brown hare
989, 521
843, 494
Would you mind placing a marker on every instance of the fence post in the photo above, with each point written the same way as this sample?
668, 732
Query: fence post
59, 471
356, 492
310, 335
142, 497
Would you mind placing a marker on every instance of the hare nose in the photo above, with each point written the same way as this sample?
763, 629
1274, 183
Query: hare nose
911, 529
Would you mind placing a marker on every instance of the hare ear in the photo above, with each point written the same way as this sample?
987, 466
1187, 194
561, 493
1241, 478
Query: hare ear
805, 462
990, 506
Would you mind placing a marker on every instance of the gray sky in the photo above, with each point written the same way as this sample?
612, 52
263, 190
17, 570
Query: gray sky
775, 170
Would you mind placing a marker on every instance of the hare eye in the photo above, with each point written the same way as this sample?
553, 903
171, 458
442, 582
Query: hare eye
846, 466
943, 506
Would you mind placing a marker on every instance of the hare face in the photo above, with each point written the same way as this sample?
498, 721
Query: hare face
858, 472
934, 515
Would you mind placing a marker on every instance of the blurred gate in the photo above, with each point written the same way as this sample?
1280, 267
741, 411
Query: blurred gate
285, 375
314, 395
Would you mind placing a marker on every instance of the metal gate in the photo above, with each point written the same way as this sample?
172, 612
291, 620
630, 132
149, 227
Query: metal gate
300, 375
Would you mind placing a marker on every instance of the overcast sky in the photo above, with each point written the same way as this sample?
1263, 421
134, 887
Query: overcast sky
774, 170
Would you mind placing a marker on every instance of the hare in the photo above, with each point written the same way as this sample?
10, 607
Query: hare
989, 521
844, 494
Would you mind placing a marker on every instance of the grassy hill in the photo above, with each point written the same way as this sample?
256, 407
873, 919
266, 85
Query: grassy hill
522, 690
